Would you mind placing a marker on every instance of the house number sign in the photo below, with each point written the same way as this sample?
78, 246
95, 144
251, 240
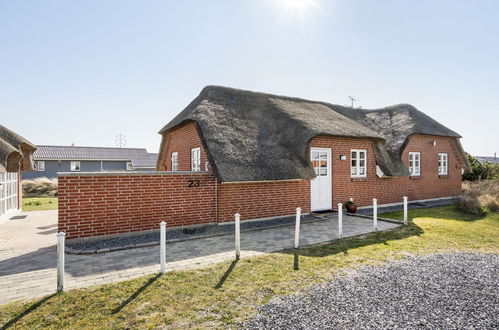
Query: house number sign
192, 183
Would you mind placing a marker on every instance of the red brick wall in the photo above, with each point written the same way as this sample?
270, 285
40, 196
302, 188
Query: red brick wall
391, 190
255, 200
94, 205
181, 140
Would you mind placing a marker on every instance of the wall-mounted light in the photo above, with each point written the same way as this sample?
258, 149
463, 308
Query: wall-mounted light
343, 157
434, 143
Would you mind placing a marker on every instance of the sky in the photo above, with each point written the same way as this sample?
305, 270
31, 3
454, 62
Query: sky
83, 72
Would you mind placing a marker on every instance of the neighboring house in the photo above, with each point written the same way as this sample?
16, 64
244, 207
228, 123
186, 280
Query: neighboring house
313, 154
53, 159
492, 160
16, 156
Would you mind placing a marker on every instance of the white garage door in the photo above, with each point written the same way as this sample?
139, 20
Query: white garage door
8, 193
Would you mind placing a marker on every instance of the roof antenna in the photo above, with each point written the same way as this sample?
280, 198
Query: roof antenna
120, 140
352, 100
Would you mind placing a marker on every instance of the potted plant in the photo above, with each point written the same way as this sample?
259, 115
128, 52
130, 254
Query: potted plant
351, 206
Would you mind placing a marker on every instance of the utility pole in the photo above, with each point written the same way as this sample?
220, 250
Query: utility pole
352, 99
120, 140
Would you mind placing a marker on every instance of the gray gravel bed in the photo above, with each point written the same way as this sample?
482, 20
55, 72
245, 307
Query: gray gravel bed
410, 206
441, 291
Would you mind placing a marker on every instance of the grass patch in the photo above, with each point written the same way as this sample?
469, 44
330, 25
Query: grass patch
39, 203
228, 293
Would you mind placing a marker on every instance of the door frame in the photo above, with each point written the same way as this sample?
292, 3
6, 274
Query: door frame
330, 178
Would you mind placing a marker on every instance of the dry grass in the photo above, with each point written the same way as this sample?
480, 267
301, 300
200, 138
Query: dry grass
479, 196
40, 187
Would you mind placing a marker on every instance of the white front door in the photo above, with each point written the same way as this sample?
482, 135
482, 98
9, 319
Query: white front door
321, 186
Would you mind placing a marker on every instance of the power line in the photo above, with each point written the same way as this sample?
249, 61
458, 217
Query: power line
120, 140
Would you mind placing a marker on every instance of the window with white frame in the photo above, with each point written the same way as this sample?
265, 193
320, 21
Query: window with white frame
415, 163
443, 163
175, 161
196, 159
358, 163
40, 166
129, 166
75, 166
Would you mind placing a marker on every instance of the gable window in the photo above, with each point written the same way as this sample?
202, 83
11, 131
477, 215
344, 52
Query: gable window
358, 163
75, 166
196, 159
443, 167
129, 166
415, 163
40, 166
174, 161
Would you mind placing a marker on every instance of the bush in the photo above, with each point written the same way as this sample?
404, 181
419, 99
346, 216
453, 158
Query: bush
40, 187
479, 195
481, 171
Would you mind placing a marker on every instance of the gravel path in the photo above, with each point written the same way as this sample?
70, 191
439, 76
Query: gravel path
451, 291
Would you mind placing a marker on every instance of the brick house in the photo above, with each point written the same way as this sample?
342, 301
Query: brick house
233, 151
270, 153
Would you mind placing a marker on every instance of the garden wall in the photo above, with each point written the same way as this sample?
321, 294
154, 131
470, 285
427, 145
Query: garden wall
96, 204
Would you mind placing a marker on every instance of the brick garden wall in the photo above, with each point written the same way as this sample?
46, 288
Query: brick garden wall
255, 200
94, 205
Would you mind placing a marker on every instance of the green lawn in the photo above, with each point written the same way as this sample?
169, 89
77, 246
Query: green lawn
228, 293
39, 203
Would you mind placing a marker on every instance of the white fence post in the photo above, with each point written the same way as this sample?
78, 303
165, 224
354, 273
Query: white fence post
60, 261
297, 227
375, 214
340, 220
405, 211
162, 246
238, 235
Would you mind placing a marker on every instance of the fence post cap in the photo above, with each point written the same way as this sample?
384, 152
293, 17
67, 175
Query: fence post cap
298, 208
237, 215
405, 197
162, 223
340, 204
375, 199
61, 233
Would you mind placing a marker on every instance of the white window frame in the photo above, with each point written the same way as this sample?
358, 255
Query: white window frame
413, 168
73, 168
129, 166
196, 159
443, 163
174, 160
358, 167
40, 165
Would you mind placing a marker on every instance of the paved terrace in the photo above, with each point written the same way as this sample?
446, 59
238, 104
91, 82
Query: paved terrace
28, 253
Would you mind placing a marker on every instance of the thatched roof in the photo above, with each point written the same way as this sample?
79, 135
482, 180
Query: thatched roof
16, 153
250, 136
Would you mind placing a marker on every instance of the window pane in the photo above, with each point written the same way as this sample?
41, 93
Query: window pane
362, 163
323, 171
361, 171
354, 155
315, 155
354, 171
362, 155
354, 163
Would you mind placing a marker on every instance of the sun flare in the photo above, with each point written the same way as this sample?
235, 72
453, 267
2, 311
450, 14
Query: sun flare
295, 9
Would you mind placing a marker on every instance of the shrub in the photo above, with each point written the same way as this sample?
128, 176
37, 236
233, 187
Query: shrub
479, 195
481, 171
40, 187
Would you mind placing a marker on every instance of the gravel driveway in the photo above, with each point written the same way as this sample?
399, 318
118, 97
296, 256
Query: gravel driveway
451, 291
